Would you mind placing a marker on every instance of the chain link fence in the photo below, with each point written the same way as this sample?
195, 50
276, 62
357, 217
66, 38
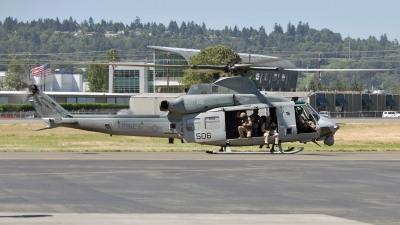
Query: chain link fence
360, 114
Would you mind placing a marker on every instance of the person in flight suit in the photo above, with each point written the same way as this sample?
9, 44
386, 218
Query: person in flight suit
246, 126
256, 120
304, 125
268, 127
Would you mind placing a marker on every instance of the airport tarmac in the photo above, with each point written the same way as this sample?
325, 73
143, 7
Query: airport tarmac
199, 188
172, 219
200, 156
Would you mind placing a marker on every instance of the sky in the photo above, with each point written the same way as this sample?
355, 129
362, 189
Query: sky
354, 18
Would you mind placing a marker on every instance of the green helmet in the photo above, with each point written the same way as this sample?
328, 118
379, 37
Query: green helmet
299, 109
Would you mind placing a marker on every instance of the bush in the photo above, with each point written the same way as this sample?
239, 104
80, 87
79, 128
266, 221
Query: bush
67, 106
15, 107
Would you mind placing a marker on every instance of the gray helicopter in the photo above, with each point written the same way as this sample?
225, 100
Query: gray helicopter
208, 114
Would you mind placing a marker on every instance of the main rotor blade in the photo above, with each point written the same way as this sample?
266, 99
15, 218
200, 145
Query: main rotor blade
339, 70
207, 71
220, 68
266, 60
135, 64
239, 66
235, 67
260, 68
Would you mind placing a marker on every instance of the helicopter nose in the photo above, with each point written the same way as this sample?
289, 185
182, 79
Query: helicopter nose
326, 122
328, 129
335, 125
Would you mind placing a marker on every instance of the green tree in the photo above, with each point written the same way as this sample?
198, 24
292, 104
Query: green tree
98, 78
278, 29
340, 85
98, 74
112, 55
290, 29
312, 86
262, 37
354, 85
216, 55
16, 79
173, 27
361, 86
65, 25
394, 89
183, 28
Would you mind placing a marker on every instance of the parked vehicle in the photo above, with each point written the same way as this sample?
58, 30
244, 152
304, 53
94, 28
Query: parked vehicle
390, 114
325, 114
31, 115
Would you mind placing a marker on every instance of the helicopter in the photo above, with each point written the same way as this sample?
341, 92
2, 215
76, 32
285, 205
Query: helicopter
208, 114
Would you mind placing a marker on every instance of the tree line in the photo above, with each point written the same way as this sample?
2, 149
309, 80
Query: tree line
69, 41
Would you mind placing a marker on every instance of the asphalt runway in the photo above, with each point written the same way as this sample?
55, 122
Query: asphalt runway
200, 188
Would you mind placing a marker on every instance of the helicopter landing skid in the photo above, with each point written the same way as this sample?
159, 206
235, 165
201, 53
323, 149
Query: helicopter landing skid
269, 152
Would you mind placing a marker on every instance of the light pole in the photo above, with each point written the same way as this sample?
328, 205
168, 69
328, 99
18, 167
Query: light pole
168, 55
319, 87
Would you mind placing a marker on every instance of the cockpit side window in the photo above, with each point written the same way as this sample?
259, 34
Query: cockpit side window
308, 113
313, 112
306, 118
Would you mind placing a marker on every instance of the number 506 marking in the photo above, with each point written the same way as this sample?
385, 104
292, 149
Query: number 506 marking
203, 135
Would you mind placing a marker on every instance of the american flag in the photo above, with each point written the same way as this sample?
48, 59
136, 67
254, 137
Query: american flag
37, 71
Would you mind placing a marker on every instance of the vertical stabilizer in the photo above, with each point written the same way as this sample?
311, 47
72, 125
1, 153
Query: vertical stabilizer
44, 105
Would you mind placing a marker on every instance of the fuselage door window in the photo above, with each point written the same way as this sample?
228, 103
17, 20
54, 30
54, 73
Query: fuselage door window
212, 123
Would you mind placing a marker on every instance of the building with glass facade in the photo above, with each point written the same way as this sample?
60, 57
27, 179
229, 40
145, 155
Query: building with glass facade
167, 80
131, 79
